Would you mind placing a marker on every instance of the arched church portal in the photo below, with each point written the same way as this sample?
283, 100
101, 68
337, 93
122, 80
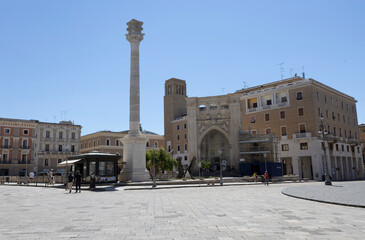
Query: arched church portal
210, 145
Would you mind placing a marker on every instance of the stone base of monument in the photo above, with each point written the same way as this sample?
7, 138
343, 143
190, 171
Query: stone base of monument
134, 154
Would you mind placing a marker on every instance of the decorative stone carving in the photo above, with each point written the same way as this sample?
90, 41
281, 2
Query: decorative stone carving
134, 29
224, 124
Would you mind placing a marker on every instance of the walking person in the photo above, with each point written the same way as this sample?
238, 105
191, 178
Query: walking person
78, 181
51, 178
70, 179
266, 176
255, 177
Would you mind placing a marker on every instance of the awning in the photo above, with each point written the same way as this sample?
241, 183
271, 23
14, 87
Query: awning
69, 161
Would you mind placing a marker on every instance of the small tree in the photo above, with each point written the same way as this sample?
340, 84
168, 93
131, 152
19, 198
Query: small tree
163, 160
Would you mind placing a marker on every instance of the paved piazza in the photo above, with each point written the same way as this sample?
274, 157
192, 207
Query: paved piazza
228, 212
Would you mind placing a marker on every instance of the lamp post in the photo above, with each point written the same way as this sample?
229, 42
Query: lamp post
66, 177
220, 167
26, 167
265, 155
323, 132
154, 168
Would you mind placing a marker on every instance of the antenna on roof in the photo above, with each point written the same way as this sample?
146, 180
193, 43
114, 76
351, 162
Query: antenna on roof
245, 85
303, 72
291, 70
281, 70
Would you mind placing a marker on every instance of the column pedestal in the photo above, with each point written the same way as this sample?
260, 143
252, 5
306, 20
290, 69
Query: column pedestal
134, 154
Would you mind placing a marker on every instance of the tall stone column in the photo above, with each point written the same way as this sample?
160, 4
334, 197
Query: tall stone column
134, 144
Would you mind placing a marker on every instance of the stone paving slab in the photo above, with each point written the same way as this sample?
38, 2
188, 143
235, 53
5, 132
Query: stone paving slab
228, 212
342, 193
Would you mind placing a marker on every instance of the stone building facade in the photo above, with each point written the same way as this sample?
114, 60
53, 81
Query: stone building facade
110, 142
284, 116
30, 145
55, 142
17, 141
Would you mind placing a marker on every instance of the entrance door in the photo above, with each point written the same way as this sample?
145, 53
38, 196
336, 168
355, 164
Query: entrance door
307, 171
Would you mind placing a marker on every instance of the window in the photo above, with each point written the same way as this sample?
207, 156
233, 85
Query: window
178, 137
345, 134
202, 108
253, 132
46, 162
254, 105
284, 99
185, 147
336, 147
283, 131
60, 148
48, 134
73, 135
178, 148
333, 116
342, 105
224, 107
72, 148
300, 112
148, 144
46, 148
60, 135
6, 143
184, 125
108, 142
302, 128
342, 148
340, 132
116, 142
268, 130
319, 112
25, 131
156, 145
24, 158
185, 136
5, 157
267, 117
85, 145
325, 98
213, 107
59, 160
268, 102
303, 146
317, 95
178, 127
282, 114
94, 143
327, 113
253, 119
285, 147
348, 148
334, 131
7, 130
25, 143
299, 95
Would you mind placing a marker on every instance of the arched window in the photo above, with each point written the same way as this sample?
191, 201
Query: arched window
156, 145
84, 144
178, 148
107, 141
202, 108
148, 144
117, 142
94, 144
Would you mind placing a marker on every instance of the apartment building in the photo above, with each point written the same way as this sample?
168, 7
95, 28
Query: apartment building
17, 140
273, 122
30, 145
54, 143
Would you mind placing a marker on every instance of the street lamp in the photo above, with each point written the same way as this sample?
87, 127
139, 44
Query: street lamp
323, 132
220, 167
265, 155
26, 167
67, 147
154, 168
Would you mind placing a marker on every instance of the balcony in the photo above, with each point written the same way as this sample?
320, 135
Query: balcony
6, 146
25, 147
302, 135
267, 107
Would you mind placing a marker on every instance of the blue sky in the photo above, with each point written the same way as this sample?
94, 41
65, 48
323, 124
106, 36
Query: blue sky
69, 60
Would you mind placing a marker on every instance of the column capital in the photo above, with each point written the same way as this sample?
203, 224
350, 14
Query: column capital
134, 29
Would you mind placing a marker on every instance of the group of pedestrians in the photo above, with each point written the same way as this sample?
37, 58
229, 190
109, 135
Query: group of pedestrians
77, 180
266, 177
